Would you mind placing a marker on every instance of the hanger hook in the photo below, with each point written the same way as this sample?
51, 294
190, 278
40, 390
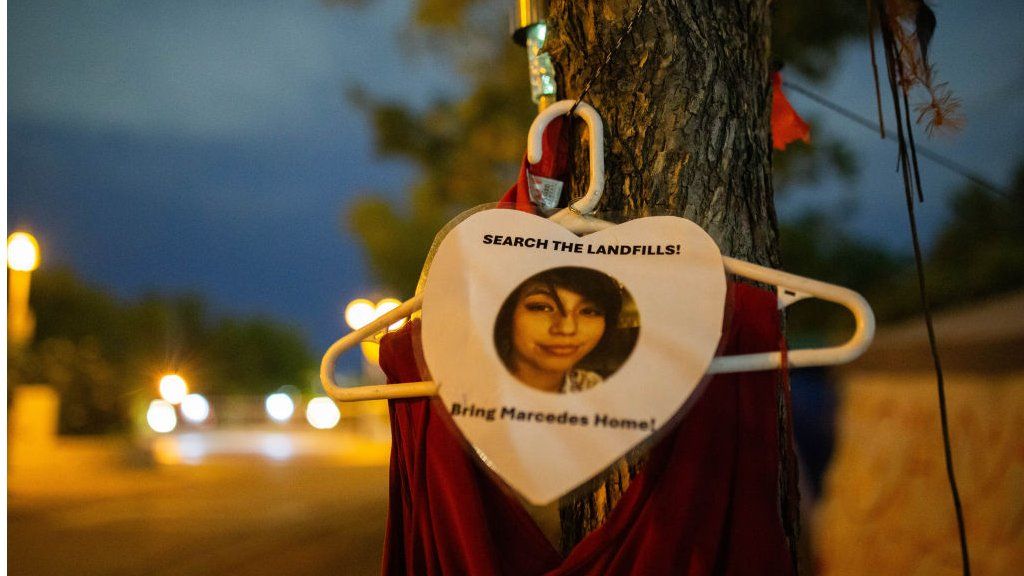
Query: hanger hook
534, 149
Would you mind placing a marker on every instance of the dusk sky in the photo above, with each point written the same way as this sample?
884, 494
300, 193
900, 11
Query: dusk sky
208, 147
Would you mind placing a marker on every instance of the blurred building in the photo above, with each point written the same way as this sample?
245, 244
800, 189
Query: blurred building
886, 507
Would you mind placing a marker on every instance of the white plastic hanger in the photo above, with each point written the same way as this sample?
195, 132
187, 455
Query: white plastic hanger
576, 217
790, 287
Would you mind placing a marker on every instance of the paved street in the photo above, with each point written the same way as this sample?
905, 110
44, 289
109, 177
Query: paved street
228, 511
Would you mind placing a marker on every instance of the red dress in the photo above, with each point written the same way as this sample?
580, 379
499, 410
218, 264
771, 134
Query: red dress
706, 502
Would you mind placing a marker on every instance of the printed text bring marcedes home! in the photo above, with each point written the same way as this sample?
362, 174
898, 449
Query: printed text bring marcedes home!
563, 418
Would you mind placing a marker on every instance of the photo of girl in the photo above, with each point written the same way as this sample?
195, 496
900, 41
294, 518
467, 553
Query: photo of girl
566, 329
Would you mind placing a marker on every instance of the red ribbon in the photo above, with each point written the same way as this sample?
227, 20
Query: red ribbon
787, 125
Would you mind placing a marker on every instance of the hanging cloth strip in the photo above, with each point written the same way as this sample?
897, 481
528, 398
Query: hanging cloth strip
787, 125
706, 502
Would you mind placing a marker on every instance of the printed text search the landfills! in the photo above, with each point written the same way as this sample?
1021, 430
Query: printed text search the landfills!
582, 248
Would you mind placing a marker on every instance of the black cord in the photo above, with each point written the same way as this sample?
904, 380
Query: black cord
894, 69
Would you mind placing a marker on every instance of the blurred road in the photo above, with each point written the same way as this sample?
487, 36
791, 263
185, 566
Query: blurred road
242, 502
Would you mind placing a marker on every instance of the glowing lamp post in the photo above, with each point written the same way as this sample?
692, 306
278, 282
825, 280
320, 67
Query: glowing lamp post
322, 413
173, 388
360, 312
279, 406
161, 416
22, 259
195, 408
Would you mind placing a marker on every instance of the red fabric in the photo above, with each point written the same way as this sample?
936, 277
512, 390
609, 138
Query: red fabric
787, 125
706, 502
553, 163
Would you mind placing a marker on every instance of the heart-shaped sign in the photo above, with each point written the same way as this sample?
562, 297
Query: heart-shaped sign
556, 354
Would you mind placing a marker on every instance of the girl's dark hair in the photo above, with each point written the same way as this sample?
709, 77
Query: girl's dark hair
595, 286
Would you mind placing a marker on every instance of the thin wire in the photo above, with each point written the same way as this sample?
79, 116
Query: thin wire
944, 161
608, 56
597, 74
874, 67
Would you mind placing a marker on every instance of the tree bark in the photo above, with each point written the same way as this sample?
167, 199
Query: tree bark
686, 102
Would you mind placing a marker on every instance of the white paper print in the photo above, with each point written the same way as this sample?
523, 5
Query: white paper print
556, 354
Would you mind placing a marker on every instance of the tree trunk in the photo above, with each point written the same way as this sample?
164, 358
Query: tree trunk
686, 102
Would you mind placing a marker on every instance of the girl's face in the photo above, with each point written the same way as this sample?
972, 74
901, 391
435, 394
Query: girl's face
548, 339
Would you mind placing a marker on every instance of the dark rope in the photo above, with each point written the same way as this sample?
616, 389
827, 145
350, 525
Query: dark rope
895, 72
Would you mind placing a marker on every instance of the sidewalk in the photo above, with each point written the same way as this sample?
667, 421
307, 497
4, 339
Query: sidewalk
96, 467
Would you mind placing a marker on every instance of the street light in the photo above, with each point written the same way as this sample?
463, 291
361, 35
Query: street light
322, 413
360, 312
22, 259
22, 252
161, 416
387, 305
279, 406
173, 388
195, 408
